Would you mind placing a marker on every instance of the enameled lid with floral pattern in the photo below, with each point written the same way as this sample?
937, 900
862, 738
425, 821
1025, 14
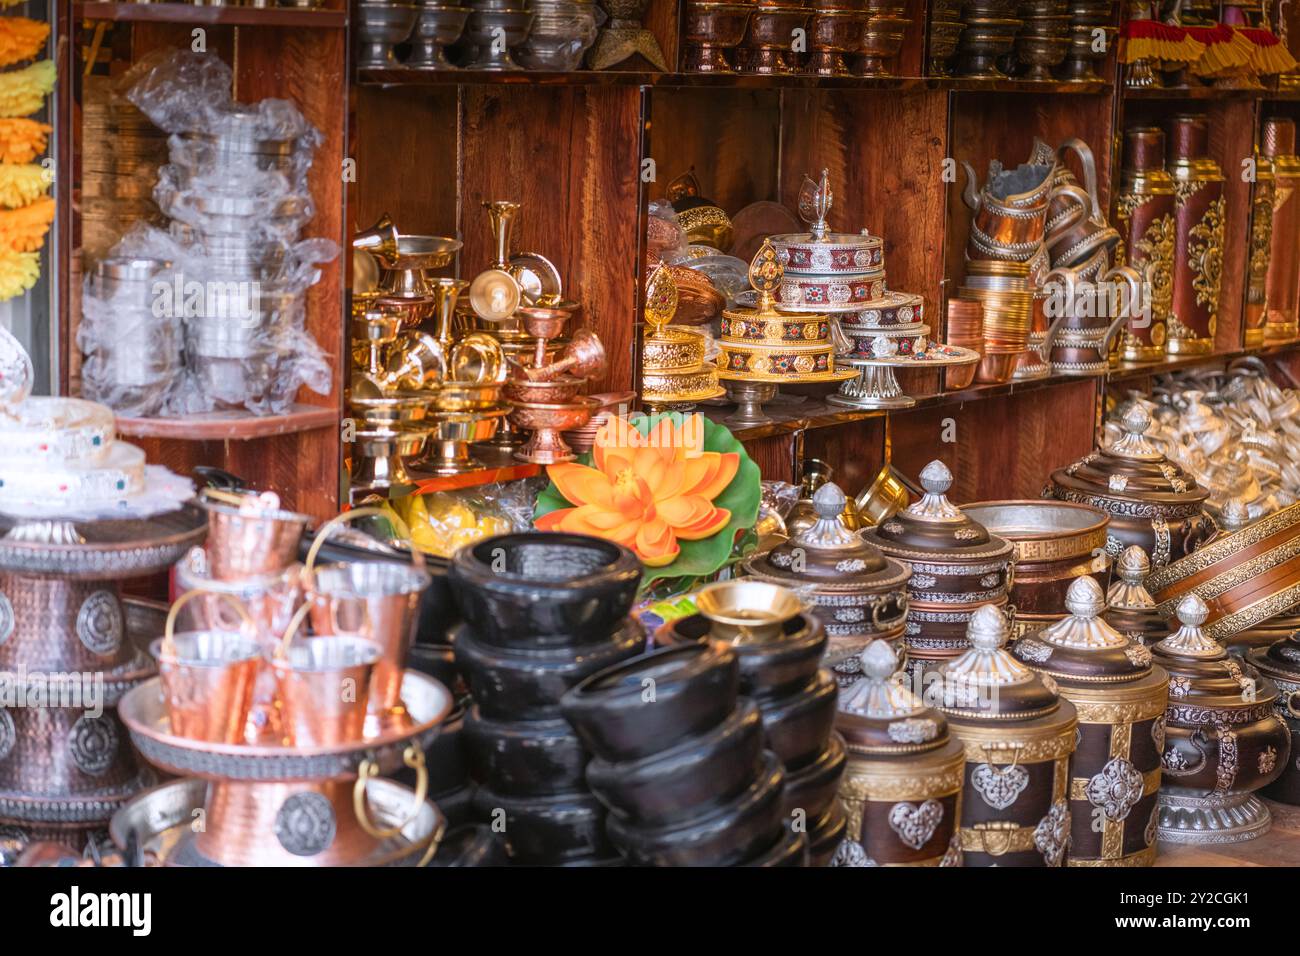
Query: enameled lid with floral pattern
1132, 468
878, 715
1082, 648
986, 682
1200, 669
934, 527
829, 552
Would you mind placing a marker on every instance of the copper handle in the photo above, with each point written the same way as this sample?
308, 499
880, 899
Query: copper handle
413, 757
169, 630
324, 533
1290, 704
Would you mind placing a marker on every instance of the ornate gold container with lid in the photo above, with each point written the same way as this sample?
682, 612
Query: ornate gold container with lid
1120, 697
1282, 286
826, 271
1198, 236
1145, 214
1223, 738
858, 593
701, 219
902, 789
1018, 734
1130, 608
1152, 502
674, 374
957, 565
763, 344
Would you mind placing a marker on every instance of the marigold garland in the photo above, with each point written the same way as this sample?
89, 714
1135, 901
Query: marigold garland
23, 230
22, 140
23, 92
21, 39
21, 185
18, 272
1226, 50
1270, 54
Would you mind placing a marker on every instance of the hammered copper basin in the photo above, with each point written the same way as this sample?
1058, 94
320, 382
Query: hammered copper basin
543, 589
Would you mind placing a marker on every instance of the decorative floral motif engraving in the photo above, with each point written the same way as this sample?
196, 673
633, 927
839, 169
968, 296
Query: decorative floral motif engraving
1117, 482
1153, 826
1114, 546
1158, 733
1179, 686
851, 566
990, 580
1173, 760
6, 617
893, 527
1052, 835
850, 615
1205, 257
93, 744
1116, 789
1162, 549
915, 825
965, 534
999, 786
1267, 761
1032, 650
99, 623
1226, 772
305, 824
850, 853
913, 730
923, 580
8, 734
952, 856
1138, 655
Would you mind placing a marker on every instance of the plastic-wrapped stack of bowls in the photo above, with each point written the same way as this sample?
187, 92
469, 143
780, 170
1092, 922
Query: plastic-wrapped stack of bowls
542, 613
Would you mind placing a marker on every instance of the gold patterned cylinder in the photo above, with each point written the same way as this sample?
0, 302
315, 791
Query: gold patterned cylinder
1283, 267
1120, 698
1146, 222
1263, 199
1018, 735
902, 788
1198, 237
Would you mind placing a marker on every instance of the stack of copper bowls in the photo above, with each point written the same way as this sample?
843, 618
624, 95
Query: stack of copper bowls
1003, 290
965, 329
836, 32
991, 28
780, 649
711, 31
957, 566
945, 30
1044, 39
768, 43
1086, 18
859, 594
685, 771
543, 612
608, 405
887, 23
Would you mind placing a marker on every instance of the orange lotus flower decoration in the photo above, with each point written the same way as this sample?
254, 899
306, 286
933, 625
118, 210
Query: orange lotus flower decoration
647, 492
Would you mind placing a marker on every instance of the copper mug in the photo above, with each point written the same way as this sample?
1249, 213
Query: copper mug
249, 534
1087, 316
208, 677
323, 686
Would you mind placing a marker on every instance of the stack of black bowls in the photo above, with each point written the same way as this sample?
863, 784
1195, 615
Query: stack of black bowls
542, 612
680, 762
796, 697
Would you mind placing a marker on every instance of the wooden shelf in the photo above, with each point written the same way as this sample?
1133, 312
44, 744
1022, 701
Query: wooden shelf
1132, 370
189, 13
738, 81
1195, 93
230, 426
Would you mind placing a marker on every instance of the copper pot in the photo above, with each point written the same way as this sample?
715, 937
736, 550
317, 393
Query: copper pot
249, 534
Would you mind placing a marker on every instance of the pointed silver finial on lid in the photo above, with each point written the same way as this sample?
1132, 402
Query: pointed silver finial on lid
1133, 443
1189, 640
988, 661
936, 479
877, 694
815, 198
1084, 628
1235, 515
1129, 593
829, 530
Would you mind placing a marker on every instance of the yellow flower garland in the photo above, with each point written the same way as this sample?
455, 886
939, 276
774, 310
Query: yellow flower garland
18, 272
21, 39
21, 185
23, 92
22, 140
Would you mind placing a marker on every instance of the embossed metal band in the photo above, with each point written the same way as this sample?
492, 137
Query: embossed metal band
1136, 509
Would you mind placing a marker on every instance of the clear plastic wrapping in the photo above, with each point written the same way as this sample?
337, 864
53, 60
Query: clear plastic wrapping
212, 314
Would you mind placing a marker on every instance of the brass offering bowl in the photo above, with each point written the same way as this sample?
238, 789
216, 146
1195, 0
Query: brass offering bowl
833, 34
768, 41
380, 455
881, 42
747, 611
554, 392
546, 422
711, 29
437, 27
453, 432
466, 396
380, 27
486, 29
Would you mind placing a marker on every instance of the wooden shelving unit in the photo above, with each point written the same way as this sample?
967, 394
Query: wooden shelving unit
429, 147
